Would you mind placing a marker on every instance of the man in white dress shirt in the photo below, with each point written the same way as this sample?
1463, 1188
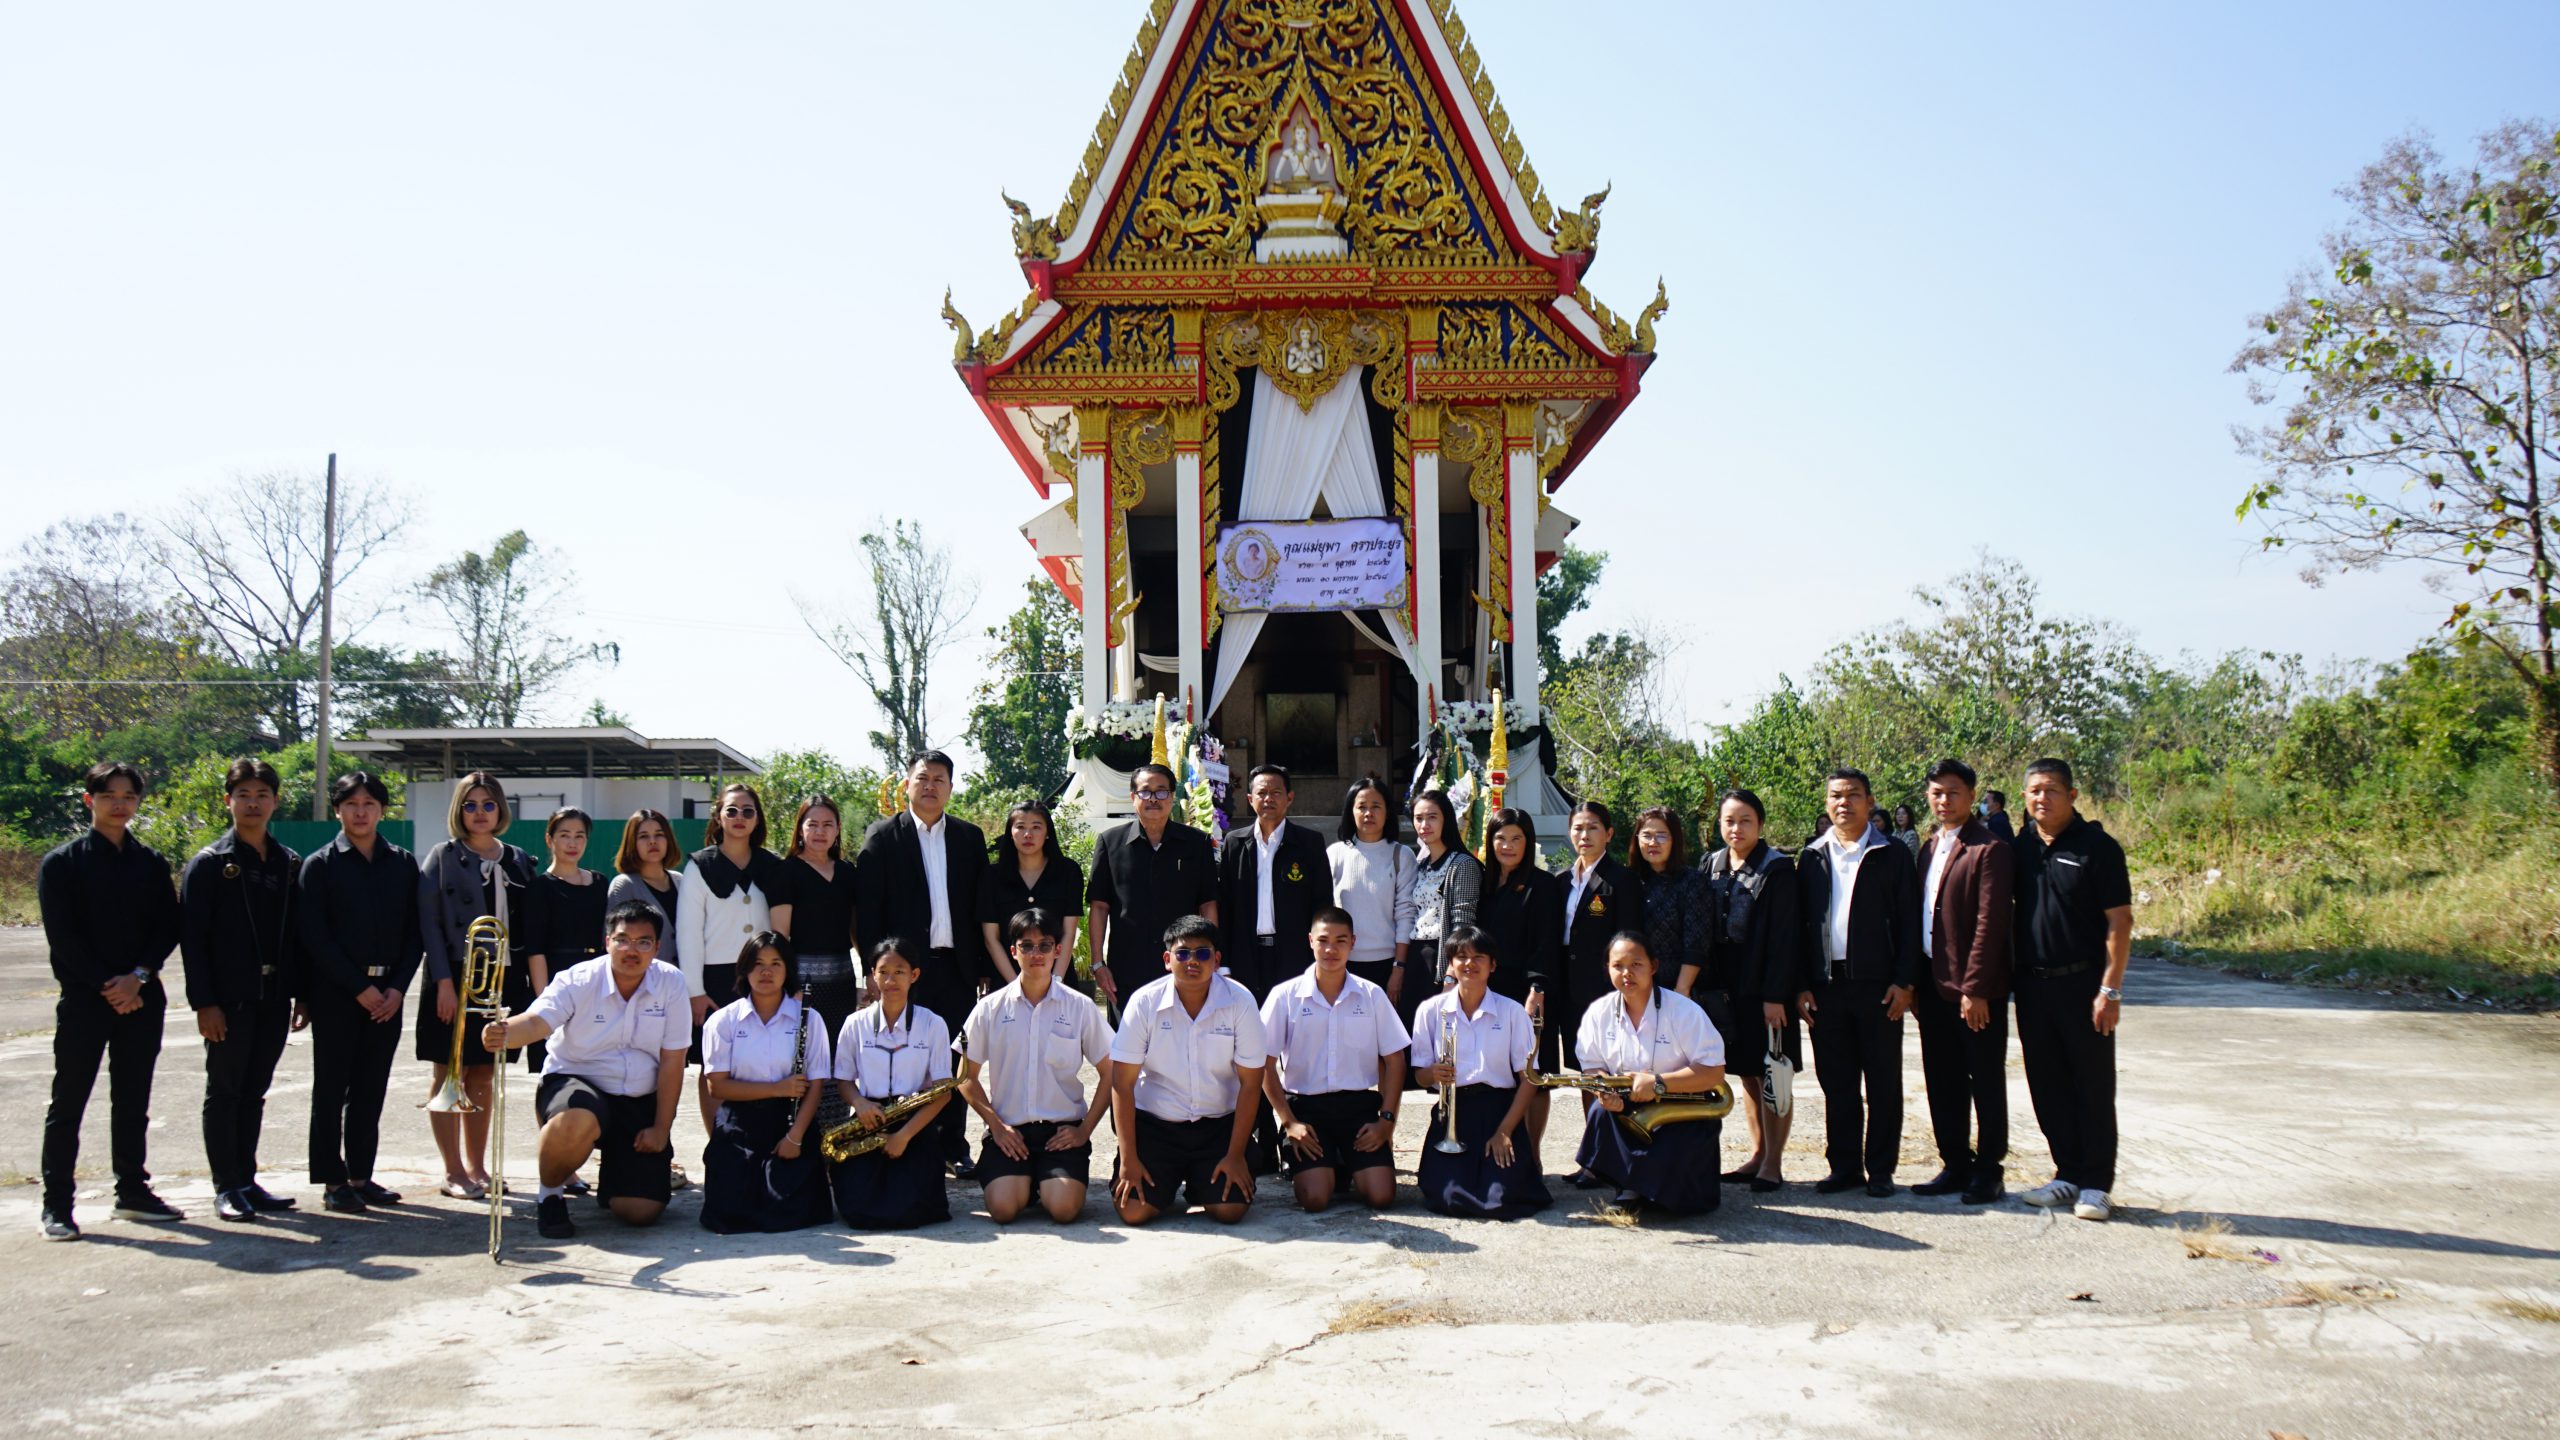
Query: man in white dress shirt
1337, 1071
1187, 1083
619, 1027
1022, 1051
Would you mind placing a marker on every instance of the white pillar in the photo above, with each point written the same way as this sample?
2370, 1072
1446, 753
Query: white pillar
1521, 461
1428, 676
1192, 628
1093, 520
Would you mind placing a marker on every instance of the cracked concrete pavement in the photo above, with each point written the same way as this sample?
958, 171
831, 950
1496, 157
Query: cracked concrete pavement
2383, 1171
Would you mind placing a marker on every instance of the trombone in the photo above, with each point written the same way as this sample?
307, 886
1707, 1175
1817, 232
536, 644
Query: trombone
481, 994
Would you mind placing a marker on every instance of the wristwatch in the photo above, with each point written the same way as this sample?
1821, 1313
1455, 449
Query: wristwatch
1387, 1115
2109, 992
142, 974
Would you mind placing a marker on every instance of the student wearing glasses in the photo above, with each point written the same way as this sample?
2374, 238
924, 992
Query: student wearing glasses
472, 873
1187, 1084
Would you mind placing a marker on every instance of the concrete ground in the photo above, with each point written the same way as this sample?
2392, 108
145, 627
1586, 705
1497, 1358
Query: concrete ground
2370, 1184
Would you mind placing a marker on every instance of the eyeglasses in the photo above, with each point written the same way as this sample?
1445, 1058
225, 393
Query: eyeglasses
1189, 956
479, 807
1146, 795
1035, 947
736, 812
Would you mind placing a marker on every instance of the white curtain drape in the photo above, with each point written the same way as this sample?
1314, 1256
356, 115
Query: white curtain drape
1292, 457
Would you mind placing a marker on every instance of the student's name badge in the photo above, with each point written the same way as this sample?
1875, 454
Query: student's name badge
1226, 1028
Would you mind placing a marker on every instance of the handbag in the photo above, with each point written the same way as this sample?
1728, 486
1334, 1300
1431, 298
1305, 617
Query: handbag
1778, 1076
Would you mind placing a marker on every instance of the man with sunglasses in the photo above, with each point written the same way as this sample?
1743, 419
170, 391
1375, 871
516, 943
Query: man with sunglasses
1146, 875
1187, 1083
1022, 1053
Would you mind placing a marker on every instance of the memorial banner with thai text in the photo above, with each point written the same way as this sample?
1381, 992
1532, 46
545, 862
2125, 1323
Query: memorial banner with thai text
1303, 565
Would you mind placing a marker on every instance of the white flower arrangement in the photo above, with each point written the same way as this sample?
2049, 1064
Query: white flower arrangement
1475, 717
1118, 720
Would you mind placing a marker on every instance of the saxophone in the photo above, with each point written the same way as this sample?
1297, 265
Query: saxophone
1641, 1121
845, 1141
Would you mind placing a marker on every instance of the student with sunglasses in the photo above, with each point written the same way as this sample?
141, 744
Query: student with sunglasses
1187, 1083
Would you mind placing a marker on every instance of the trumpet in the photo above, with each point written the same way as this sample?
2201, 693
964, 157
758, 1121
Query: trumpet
1641, 1121
850, 1138
480, 988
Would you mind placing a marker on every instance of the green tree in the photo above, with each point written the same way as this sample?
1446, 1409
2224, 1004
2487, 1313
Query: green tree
505, 612
2417, 382
791, 776
1564, 591
1019, 723
917, 606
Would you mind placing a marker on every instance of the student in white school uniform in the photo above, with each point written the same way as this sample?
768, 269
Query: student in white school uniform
1336, 1073
888, 1050
767, 1056
1492, 1044
619, 1026
1664, 1041
1186, 1084
1022, 1051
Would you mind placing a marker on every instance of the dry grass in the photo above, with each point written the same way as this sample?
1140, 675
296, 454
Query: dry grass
2210, 1239
2327, 1292
1616, 1216
1365, 1315
2527, 1307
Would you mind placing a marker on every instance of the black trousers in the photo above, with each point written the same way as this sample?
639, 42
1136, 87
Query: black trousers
1968, 1082
1855, 1048
238, 1068
86, 1033
351, 1057
949, 988
2071, 1075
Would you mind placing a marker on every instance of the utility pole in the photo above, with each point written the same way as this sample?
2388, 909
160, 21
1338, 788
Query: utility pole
328, 608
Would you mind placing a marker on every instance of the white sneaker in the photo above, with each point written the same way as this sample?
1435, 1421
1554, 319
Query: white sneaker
2052, 1195
2092, 1206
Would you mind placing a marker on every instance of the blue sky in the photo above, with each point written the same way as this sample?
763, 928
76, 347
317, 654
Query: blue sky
659, 284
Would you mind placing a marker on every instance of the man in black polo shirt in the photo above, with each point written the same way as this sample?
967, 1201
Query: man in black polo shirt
237, 942
2074, 934
1146, 875
110, 920
358, 909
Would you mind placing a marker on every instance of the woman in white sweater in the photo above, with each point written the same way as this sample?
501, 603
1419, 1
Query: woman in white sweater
724, 899
1373, 875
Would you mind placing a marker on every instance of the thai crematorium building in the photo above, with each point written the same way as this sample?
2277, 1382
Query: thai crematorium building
1306, 351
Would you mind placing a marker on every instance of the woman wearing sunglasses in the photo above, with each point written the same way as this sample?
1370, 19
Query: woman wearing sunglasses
472, 873
726, 897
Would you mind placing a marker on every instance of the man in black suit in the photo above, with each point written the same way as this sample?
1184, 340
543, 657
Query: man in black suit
1272, 879
1859, 899
916, 877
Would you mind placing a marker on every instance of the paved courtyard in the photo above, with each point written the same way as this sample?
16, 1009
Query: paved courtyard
2371, 1185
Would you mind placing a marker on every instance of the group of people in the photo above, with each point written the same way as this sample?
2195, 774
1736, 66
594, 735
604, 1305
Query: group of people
1259, 1005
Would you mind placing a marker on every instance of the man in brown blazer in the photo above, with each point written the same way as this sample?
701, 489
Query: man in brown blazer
1966, 911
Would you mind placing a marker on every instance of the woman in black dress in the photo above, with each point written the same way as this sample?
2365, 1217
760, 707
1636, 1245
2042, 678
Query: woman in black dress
1754, 942
1522, 915
572, 906
814, 910
1029, 871
471, 874
1675, 910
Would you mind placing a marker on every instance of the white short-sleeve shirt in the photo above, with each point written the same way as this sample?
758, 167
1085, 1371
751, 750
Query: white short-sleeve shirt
1327, 1045
611, 1042
1031, 1057
885, 1061
1493, 1045
1187, 1063
1674, 1034
744, 1046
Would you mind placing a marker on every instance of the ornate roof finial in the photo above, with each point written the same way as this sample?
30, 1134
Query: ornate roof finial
1578, 232
965, 349
1644, 323
1033, 237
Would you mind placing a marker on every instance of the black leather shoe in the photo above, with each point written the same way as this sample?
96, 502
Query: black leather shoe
343, 1200
1880, 1188
1945, 1182
552, 1218
1585, 1180
1762, 1185
1740, 1173
235, 1206
1835, 1184
264, 1200
576, 1186
377, 1194
968, 1169
1983, 1192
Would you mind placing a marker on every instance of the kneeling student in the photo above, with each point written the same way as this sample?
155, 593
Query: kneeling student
1337, 1071
1022, 1050
1186, 1084
619, 1027
889, 1050
1663, 1042
765, 1055
1485, 1045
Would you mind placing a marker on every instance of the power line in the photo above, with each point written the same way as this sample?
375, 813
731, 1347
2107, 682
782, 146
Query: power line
260, 683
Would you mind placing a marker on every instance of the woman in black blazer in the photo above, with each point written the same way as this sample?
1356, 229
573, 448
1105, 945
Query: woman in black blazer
1601, 898
1521, 916
472, 874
